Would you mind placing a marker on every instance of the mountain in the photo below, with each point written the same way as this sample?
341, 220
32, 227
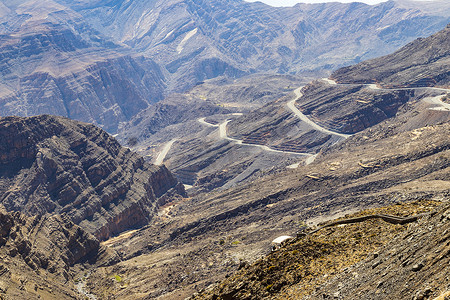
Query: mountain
339, 263
200, 242
42, 255
268, 155
197, 40
298, 122
423, 62
199, 155
218, 242
53, 62
105, 61
58, 166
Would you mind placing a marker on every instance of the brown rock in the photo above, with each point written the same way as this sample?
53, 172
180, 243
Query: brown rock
55, 165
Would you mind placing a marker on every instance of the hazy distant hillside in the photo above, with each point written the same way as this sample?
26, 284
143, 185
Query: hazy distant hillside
52, 62
196, 40
105, 61
424, 62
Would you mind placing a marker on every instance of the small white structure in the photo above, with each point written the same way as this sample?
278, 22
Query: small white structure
278, 242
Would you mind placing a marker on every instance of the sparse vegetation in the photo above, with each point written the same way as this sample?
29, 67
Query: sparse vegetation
296, 269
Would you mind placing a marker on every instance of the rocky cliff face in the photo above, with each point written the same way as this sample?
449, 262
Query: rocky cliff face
52, 62
196, 40
38, 253
46, 242
55, 165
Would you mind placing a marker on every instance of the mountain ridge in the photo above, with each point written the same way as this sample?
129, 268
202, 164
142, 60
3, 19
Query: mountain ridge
56, 165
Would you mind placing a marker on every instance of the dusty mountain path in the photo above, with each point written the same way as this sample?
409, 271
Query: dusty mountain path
223, 135
298, 113
162, 155
434, 100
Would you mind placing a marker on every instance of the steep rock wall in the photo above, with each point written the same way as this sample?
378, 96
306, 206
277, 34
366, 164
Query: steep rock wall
56, 165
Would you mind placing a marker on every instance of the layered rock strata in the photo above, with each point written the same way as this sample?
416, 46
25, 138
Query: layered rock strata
59, 166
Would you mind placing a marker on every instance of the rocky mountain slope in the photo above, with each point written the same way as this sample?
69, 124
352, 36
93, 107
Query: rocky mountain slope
41, 257
300, 121
420, 253
198, 242
401, 158
59, 166
198, 153
53, 62
427, 65
197, 40
303, 264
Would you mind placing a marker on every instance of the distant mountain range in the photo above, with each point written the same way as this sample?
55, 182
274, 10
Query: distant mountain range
104, 61
196, 40
374, 134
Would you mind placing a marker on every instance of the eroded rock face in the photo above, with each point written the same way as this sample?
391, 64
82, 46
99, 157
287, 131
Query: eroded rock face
40, 255
55, 165
48, 242
52, 62
423, 62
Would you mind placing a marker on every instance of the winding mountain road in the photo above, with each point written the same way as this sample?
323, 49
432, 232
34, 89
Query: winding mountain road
162, 155
442, 106
223, 135
291, 105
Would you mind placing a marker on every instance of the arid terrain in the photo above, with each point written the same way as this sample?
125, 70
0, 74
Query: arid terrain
202, 157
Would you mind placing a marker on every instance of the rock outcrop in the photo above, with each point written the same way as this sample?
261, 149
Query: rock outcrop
423, 62
52, 62
53, 243
55, 165
38, 255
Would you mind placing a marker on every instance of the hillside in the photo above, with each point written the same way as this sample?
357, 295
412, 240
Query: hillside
53, 62
200, 241
292, 126
423, 62
56, 165
401, 159
44, 257
198, 40
342, 262
305, 263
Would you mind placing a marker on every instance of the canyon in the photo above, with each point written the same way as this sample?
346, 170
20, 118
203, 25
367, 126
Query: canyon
156, 149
